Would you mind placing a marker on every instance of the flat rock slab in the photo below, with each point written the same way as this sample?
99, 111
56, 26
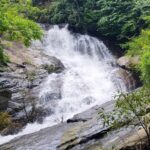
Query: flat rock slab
65, 135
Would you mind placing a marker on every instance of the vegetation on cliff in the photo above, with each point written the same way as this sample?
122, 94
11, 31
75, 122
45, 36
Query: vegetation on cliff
140, 46
117, 19
15, 25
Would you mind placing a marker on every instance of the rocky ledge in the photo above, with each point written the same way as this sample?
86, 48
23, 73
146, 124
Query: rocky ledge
20, 82
84, 131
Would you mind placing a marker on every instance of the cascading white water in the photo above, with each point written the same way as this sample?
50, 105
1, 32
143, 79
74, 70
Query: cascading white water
88, 77
87, 80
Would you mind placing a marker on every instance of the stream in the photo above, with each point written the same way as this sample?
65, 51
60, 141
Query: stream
88, 79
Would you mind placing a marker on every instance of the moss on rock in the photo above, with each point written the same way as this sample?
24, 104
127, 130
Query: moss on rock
5, 120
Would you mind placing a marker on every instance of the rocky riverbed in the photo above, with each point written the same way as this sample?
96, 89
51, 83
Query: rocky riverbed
20, 84
84, 131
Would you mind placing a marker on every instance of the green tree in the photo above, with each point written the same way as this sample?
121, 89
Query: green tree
117, 19
14, 24
128, 108
145, 68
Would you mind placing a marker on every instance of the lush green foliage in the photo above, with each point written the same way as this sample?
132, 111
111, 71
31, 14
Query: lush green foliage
145, 68
129, 107
118, 19
140, 46
14, 24
40, 2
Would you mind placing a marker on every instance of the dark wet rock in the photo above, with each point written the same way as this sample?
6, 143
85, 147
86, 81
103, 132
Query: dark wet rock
126, 77
38, 114
88, 100
51, 96
5, 96
15, 105
55, 66
13, 128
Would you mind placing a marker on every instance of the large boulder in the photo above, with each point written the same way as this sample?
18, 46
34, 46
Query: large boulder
5, 96
55, 66
125, 77
127, 62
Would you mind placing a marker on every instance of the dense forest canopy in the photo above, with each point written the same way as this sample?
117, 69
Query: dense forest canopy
118, 19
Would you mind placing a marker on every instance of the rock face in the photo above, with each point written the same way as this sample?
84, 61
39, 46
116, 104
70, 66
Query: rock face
127, 70
21, 82
89, 134
127, 62
5, 96
127, 78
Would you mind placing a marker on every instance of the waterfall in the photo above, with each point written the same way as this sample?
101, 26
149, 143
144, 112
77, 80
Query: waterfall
88, 78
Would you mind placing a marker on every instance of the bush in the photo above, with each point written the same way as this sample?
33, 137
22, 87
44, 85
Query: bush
15, 26
129, 107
